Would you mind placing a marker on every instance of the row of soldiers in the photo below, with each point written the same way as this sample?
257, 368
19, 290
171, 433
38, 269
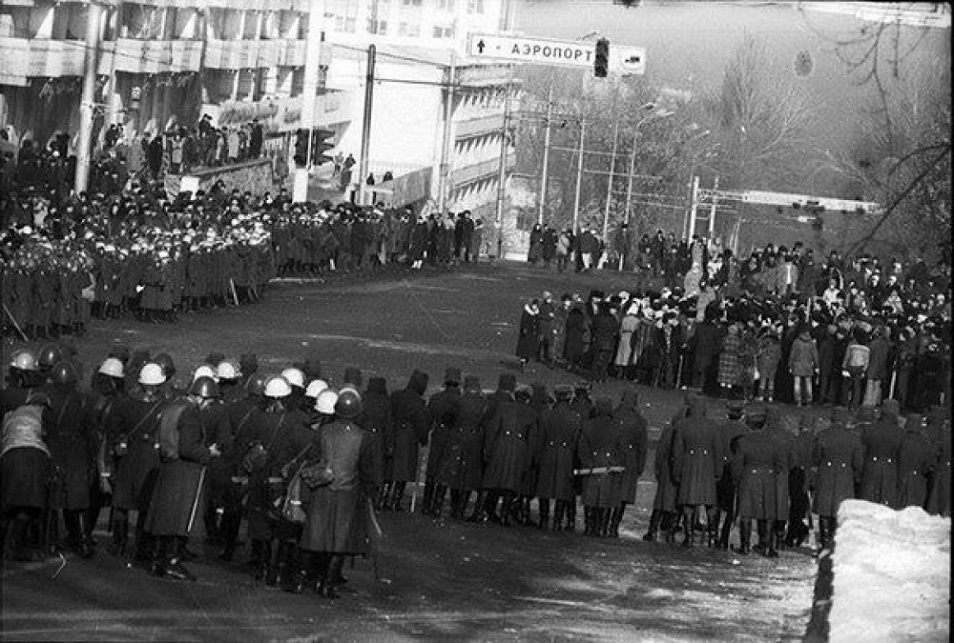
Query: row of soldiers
777, 468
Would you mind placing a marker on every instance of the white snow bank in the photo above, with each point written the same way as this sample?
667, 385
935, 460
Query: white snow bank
892, 575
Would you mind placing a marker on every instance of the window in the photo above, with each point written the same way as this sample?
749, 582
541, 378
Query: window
475, 6
412, 3
443, 32
409, 29
379, 27
445, 5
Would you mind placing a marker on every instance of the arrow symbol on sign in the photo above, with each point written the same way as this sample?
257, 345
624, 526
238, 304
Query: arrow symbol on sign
480, 47
632, 60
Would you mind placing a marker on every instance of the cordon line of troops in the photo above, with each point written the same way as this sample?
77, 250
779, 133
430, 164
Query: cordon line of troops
307, 466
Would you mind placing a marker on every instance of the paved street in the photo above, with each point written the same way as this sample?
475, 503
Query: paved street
439, 581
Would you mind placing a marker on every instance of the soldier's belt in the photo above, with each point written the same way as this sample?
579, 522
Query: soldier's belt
595, 471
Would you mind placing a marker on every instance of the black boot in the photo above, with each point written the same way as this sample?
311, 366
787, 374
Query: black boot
231, 523
174, 569
146, 544
265, 561
571, 515
327, 586
772, 544
726, 531
85, 545
428, 499
162, 548
490, 506
506, 510
479, 515
437, 501
276, 566
745, 537
299, 578
616, 520
763, 532
120, 536
606, 516
384, 498
397, 496
544, 505
589, 521
559, 513
650, 534
689, 529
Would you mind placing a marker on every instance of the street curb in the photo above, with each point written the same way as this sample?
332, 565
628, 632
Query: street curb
818, 625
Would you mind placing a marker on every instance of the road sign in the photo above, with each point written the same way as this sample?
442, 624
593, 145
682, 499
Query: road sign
565, 53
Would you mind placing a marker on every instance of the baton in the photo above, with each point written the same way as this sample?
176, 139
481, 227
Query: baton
592, 471
195, 503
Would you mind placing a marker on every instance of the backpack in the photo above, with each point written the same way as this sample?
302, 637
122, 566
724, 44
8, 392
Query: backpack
23, 427
169, 429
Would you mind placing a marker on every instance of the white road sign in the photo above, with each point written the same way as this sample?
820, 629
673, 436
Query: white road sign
540, 51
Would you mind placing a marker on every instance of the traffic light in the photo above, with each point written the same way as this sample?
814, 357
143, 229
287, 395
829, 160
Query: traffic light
301, 148
601, 60
321, 144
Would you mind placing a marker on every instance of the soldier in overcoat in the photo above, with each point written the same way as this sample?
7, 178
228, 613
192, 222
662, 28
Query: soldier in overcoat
882, 444
506, 452
915, 460
461, 465
697, 465
838, 459
724, 512
412, 422
560, 427
600, 447
376, 421
665, 515
755, 465
443, 408
632, 429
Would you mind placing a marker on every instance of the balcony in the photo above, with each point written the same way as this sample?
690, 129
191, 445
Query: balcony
246, 54
156, 56
464, 176
480, 126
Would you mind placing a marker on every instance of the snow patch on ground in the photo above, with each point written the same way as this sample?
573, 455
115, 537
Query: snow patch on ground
892, 575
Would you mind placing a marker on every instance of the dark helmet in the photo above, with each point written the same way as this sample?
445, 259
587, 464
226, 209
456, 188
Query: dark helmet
164, 360
204, 387
349, 404
49, 355
63, 373
256, 384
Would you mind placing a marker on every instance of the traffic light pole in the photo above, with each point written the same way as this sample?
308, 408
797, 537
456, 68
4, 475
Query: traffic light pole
541, 206
366, 125
502, 172
579, 178
444, 176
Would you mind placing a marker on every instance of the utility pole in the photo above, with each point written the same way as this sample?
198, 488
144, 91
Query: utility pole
609, 182
579, 178
632, 171
693, 206
502, 172
444, 175
87, 104
309, 91
541, 205
366, 125
712, 210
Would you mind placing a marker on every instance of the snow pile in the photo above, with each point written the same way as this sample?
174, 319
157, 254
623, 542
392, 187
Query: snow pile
892, 575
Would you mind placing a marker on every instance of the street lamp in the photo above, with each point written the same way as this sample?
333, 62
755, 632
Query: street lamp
657, 115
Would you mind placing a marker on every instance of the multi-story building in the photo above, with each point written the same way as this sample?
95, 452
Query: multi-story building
421, 45
156, 59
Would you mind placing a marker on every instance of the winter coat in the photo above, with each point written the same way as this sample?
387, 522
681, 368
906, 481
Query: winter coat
666, 487
560, 428
442, 408
528, 341
176, 505
624, 351
632, 436
803, 358
730, 365
338, 512
600, 447
71, 441
879, 351
506, 446
577, 334
132, 434
939, 494
756, 465
837, 458
461, 466
879, 479
697, 460
915, 460
412, 421
376, 421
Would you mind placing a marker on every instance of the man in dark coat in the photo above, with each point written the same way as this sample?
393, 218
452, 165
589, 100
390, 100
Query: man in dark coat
506, 384
412, 422
632, 436
506, 452
528, 340
600, 447
255, 140
376, 420
729, 433
460, 469
547, 330
697, 466
755, 465
704, 345
176, 503
442, 407
70, 440
560, 433
605, 338
915, 459
882, 443
838, 458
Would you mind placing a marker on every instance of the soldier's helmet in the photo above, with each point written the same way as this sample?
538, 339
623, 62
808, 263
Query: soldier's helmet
24, 360
294, 377
277, 387
349, 404
49, 355
326, 401
63, 373
315, 387
256, 384
151, 375
111, 367
205, 387
227, 371
205, 371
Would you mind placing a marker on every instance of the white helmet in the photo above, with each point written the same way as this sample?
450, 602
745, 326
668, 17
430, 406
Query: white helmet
349, 387
24, 360
228, 371
152, 375
294, 376
315, 387
112, 367
326, 402
277, 387
205, 371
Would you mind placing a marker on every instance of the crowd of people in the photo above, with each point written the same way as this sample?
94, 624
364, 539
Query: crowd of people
769, 327
138, 253
306, 465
